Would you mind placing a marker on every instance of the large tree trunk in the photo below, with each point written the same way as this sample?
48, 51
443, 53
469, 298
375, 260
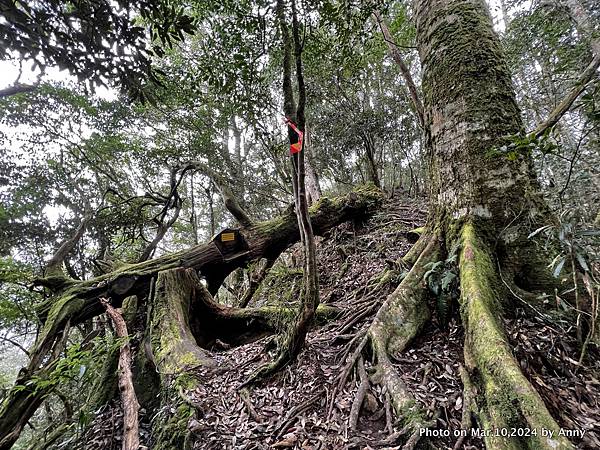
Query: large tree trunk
77, 301
485, 200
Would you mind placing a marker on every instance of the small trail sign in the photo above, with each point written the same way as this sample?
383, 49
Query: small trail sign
227, 237
230, 243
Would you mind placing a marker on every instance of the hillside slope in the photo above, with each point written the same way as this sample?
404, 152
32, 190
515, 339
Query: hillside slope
309, 405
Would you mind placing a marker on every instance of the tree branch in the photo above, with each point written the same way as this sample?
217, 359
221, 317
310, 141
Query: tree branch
584, 78
229, 199
17, 88
404, 70
54, 265
131, 437
15, 343
172, 201
585, 28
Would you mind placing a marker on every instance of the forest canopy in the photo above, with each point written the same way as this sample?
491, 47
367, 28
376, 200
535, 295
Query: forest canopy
299, 224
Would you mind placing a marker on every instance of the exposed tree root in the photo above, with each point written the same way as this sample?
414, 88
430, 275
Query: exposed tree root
288, 346
236, 326
495, 390
184, 318
363, 388
415, 251
397, 322
293, 413
244, 395
469, 406
370, 300
508, 399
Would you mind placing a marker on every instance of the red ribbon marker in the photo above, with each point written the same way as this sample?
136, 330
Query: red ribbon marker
297, 147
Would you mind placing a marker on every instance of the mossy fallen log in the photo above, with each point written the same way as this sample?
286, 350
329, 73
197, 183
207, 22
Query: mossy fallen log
74, 302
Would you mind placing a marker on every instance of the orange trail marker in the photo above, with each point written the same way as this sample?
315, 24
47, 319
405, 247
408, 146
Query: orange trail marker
297, 147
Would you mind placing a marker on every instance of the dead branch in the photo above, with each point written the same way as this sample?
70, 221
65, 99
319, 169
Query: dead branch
404, 70
131, 438
54, 265
229, 200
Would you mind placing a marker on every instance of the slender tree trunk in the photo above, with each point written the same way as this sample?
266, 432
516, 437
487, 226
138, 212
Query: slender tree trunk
372, 171
404, 70
211, 209
313, 185
291, 344
193, 216
129, 402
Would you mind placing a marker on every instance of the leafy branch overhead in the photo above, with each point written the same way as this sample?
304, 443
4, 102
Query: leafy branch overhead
100, 42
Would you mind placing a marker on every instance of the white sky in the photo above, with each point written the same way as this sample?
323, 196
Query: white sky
9, 70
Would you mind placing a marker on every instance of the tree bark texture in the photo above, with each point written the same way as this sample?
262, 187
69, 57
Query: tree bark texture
129, 402
484, 203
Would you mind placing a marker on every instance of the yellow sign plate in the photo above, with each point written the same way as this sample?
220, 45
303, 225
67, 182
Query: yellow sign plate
227, 237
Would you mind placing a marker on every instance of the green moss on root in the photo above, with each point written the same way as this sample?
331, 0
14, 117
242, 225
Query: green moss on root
174, 433
510, 400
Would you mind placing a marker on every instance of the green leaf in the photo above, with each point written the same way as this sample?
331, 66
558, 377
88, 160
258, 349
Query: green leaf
448, 278
581, 261
589, 233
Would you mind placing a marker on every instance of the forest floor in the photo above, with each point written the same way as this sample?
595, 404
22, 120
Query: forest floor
297, 409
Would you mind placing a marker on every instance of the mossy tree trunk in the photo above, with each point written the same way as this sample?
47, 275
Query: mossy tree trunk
485, 201
174, 352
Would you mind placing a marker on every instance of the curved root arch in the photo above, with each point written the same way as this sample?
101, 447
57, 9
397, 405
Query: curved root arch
183, 321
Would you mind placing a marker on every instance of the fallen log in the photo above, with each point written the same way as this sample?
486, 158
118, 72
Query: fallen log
74, 302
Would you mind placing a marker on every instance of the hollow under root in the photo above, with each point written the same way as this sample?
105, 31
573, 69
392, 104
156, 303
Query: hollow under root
507, 399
